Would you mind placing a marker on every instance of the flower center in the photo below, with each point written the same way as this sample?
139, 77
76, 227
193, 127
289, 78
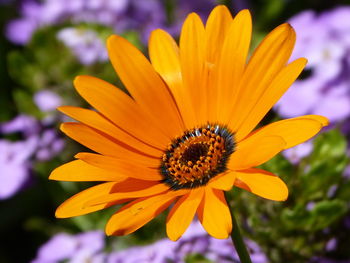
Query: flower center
200, 154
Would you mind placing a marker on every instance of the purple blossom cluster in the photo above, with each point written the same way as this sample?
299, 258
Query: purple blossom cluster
84, 43
297, 153
325, 40
195, 241
85, 247
121, 16
38, 141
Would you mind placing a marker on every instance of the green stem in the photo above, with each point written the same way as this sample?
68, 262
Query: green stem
237, 239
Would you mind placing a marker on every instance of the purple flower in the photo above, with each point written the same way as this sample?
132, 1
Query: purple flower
88, 247
60, 247
84, 247
217, 250
25, 124
331, 244
158, 252
194, 241
85, 44
295, 154
346, 173
20, 31
122, 15
326, 44
332, 190
50, 144
47, 141
14, 165
310, 206
38, 142
47, 100
110, 13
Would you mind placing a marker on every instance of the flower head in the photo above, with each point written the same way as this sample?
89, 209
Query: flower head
85, 247
185, 135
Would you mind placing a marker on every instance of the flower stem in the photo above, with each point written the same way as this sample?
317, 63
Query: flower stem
237, 239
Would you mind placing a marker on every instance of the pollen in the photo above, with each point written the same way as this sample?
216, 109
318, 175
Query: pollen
200, 154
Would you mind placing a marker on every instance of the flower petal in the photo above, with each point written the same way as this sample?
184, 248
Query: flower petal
121, 109
255, 150
97, 121
294, 131
192, 58
230, 66
104, 144
182, 213
272, 94
79, 171
264, 184
129, 193
164, 54
216, 29
138, 213
144, 84
267, 60
223, 182
214, 214
79, 203
74, 206
123, 167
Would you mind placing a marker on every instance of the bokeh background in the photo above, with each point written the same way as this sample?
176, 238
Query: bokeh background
45, 44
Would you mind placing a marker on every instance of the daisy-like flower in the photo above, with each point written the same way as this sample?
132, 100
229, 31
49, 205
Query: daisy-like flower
185, 134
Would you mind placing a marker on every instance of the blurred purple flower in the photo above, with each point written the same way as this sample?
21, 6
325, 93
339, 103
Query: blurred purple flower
346, 172
15, 157
331, 244
122, 15
43, 139
217, 250
89, 246
85, 247
14, 165
50, 144
25, 124
159, 252
37, 141
47, 100
310, 206
20, 31
295, 154
325, 42
111, 13
332, 190
85, 44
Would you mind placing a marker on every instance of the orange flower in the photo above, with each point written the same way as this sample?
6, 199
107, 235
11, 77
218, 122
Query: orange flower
185, 134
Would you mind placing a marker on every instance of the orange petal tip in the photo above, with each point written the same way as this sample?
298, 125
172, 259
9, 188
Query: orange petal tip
52, 175
63, 127
59, 214
245, 12
112, 41
324, 120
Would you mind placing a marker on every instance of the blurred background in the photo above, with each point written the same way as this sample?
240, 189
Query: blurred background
45, 44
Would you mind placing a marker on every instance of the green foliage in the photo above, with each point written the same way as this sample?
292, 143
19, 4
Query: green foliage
295, 230
196, 258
